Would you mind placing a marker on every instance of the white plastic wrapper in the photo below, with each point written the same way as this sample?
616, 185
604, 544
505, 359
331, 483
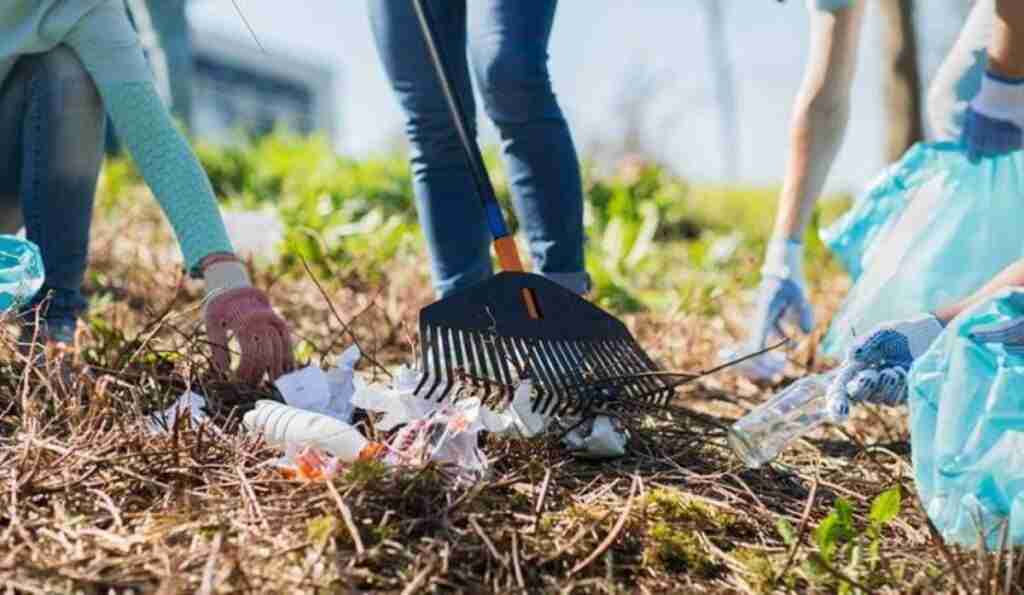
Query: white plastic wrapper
400, 406
188, 404
600, 438
397, 401
329, 393
449, 434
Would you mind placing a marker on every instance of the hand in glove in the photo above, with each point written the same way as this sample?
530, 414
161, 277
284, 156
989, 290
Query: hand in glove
876, 368
780, 299
235, 309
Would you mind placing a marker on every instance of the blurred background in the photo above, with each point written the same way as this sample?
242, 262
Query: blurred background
680, 110
704, 87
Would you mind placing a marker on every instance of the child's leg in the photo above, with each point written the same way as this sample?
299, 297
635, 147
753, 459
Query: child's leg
62, 149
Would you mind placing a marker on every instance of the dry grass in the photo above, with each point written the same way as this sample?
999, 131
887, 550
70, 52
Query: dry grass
92, 503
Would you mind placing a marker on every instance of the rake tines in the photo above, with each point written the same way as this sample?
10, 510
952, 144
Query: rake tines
569, 377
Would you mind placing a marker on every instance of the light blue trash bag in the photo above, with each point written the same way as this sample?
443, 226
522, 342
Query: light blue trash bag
21, 271
933, 229
967, 429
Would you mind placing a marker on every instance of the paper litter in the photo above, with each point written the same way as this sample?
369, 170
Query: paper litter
189, 404
329, 393
602, 437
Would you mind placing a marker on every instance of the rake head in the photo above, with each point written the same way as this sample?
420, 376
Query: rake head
577, 356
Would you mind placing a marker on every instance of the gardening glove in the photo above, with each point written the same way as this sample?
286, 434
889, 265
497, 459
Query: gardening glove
780, 298
994, 120
877, 365
236, 309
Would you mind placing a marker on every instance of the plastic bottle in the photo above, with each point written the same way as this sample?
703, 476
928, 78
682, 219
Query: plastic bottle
759, 436
21, 271
282, 425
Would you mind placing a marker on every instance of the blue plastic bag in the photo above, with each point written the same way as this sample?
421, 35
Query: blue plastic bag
930, 231
967, 429
21, 271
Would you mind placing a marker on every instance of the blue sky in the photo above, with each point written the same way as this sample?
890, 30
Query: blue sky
595, 45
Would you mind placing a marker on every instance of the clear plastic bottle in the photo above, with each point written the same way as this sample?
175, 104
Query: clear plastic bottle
282, 425
759, 436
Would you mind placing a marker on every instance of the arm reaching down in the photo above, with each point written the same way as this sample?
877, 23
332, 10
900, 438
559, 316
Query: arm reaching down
820, 116
110, 51
877, 366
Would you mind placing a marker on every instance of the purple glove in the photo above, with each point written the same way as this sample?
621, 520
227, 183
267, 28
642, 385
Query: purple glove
265, 341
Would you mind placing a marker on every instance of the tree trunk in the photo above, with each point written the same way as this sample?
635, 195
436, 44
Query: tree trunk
903, 101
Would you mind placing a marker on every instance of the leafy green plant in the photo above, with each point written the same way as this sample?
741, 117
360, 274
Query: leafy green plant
855, 549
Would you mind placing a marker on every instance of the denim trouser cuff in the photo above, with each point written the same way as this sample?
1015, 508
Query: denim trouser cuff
578, 283
60, 309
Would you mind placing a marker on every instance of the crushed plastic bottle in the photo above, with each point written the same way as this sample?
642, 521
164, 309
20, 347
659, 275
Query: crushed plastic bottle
282, 425
21, 271
759, 436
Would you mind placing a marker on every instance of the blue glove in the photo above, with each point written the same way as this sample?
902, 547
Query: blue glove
876, 368
779, 299
984, 136
1010, 334
995, 118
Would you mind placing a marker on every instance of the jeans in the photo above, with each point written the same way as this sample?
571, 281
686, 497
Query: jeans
51, 144
507, 42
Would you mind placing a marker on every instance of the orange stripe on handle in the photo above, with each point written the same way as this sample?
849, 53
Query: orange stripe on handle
508, 254
508, 260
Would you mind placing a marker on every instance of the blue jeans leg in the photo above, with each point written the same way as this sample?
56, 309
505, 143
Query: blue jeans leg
52, 105
509, 49
449, 209
509, 42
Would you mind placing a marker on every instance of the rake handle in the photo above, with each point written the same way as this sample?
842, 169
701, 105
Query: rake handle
504, 244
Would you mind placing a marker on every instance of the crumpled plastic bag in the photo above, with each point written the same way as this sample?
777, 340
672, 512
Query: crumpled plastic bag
967, 429
189, 404
602, 437
931, 230
446, 435
444, 431
400, 405
396, 401
329, 393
